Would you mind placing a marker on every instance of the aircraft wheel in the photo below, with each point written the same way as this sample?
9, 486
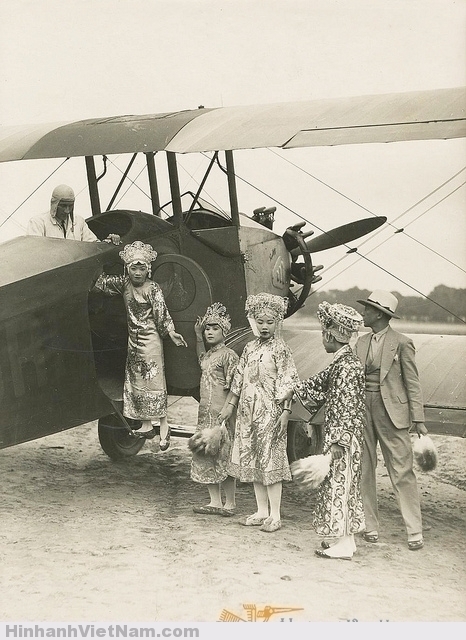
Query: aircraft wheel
300, 444
115, 440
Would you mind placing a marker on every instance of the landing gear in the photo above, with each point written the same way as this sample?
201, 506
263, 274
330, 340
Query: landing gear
300, 444
115, 439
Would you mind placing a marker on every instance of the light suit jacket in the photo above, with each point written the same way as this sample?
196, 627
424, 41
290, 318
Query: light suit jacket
399, 380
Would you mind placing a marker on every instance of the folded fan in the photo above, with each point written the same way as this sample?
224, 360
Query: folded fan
310, 472
425, 453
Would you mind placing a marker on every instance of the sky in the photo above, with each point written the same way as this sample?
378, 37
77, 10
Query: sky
78, 59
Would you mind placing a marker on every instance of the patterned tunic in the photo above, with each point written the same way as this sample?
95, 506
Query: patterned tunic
144, 391
266, 372
339, 511
218, 366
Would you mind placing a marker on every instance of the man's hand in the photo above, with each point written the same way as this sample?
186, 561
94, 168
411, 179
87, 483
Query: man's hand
113, 238
420, 427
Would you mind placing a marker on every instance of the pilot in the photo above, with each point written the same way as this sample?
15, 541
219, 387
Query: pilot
61, 222
393, 404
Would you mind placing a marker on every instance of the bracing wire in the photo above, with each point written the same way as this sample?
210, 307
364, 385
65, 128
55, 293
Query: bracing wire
282, 204
390, 224
360, 256
363, 256
133, 182
212, 199
414, 289
33, 192
358, 204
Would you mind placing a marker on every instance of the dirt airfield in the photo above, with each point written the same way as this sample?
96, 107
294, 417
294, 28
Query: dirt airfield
87, 539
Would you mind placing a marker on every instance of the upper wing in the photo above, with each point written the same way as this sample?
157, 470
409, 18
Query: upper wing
418, 115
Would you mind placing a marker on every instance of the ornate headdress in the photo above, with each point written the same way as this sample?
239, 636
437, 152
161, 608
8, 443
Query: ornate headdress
217, 314
138, 252
275, 306
339, 320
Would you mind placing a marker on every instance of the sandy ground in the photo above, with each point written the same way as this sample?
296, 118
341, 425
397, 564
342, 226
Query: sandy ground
87, 539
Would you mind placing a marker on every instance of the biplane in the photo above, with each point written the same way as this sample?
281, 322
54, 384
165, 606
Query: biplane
63, 348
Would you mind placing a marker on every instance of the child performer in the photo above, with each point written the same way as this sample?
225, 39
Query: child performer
218, 366
144, 391
339, 514
265, 376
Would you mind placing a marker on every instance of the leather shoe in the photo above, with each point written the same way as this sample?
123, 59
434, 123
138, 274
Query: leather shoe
370, 537
322, 554
414, 545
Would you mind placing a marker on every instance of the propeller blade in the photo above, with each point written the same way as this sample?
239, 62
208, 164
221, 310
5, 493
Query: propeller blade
346, 233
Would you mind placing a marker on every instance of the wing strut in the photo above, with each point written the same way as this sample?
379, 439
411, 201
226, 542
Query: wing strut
232, 188
154, 188
93, 189
120, 184
174, 186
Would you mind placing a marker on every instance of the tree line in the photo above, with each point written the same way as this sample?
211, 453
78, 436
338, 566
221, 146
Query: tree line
443, 304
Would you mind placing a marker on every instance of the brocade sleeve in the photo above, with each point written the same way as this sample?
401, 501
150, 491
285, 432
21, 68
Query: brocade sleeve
313, 391
162, 317
230, 366
287, 374
110, 285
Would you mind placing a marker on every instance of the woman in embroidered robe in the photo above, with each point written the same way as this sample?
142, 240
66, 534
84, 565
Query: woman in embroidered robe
266, 374
144, 391
218, 366
338, 513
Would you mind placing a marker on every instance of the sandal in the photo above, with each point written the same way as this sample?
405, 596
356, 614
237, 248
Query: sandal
271, 526
252, 521
147, 434
165, 442
208, 510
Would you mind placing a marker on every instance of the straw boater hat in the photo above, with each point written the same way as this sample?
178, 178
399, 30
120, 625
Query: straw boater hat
339, 320
217, 314
383, 301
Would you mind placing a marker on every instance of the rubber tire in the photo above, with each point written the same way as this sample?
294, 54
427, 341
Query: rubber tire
299, 444
115, 440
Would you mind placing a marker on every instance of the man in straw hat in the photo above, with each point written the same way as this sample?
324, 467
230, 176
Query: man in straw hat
393, 406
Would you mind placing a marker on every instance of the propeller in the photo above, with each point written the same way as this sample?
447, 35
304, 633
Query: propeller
341, 235
304, 272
